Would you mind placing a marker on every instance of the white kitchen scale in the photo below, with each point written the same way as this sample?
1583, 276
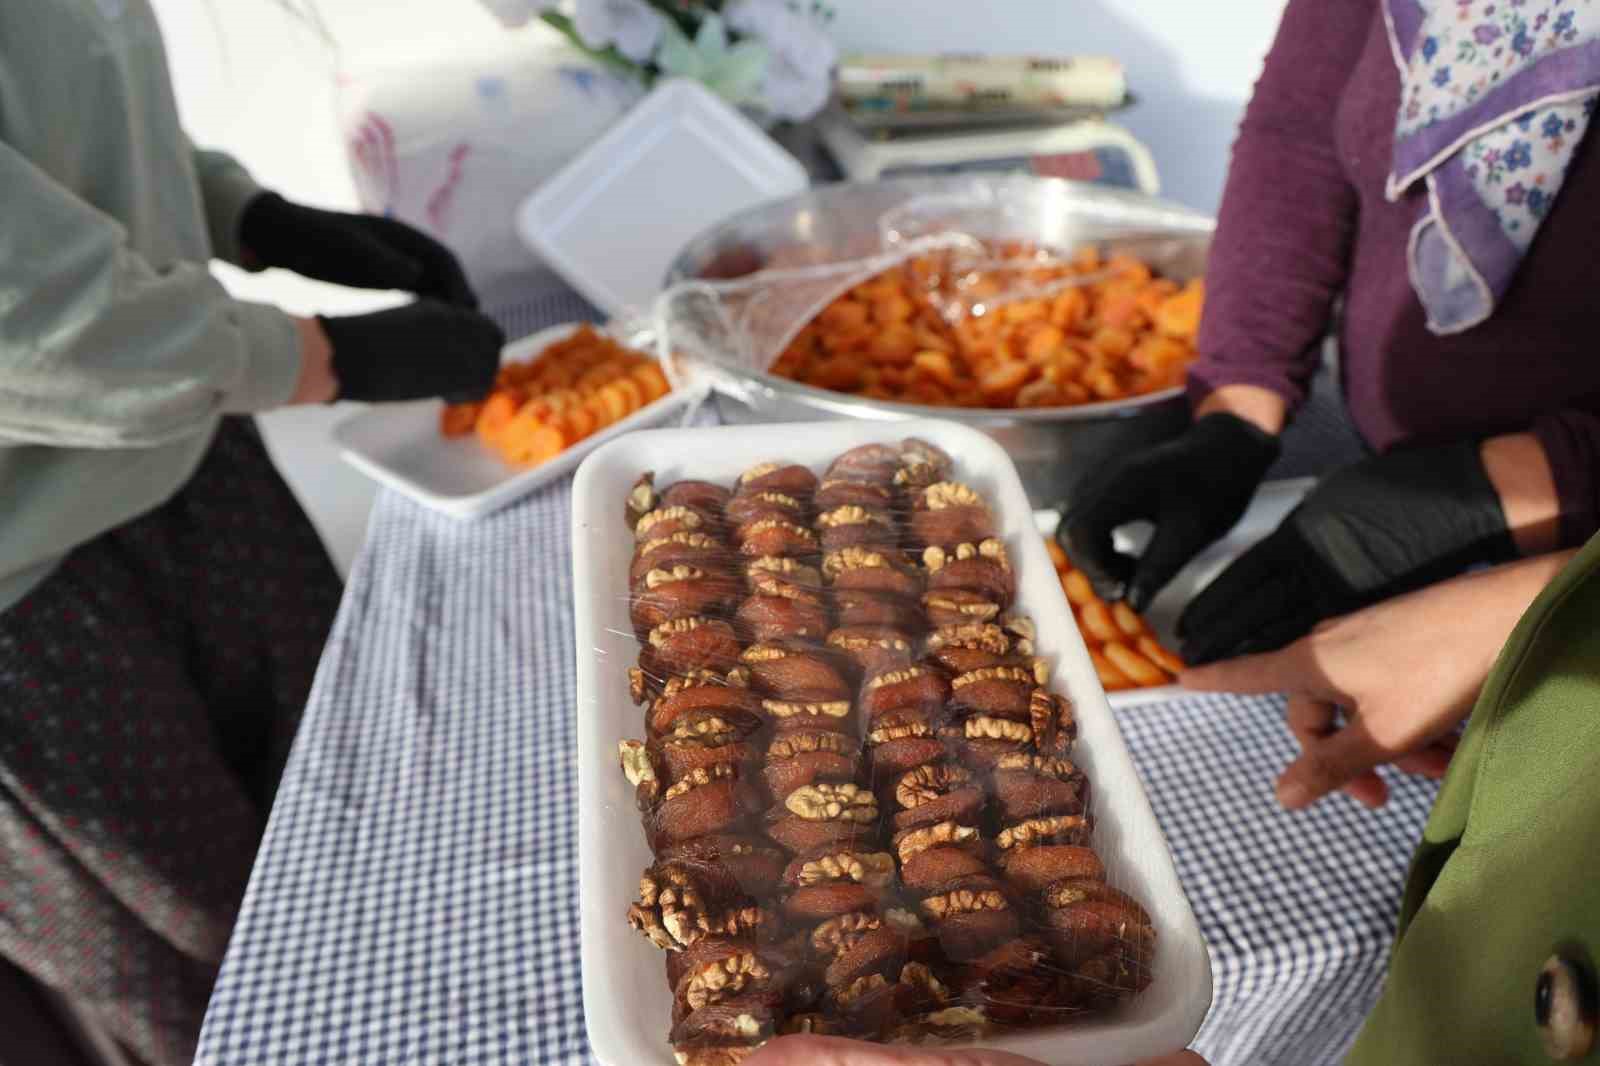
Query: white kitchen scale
1082, 149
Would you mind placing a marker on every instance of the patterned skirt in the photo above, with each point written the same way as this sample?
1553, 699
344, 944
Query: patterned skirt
149, 692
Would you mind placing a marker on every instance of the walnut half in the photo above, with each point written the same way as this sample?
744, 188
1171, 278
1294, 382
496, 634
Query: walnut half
637, 767
919, 977
647, 522
857, 642
844, 559
963, 901
723, 979
1061, 769
827, 802
996, 673
849, 515
789, 708
860, 987
895, 677
836, 934
641, 499
979, 636
870, 868
897, 732
943, 494
986, 728
1037, 830
689, 927
940, 835
697, 778
928, 782
787, 747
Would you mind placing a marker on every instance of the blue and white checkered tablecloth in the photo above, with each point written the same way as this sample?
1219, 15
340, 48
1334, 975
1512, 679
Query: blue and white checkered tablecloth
414, 902
415, 899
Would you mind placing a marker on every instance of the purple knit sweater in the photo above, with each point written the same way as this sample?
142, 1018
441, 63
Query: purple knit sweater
1304, 219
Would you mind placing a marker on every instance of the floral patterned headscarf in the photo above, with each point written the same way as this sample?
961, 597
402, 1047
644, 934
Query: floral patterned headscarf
1495, 96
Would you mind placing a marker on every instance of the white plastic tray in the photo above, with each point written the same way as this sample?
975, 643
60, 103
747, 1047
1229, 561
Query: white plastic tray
1272, 502
611, 221
399, 445
626, 1000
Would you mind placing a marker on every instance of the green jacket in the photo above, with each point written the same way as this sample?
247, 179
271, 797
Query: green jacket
118, 350
1508, 870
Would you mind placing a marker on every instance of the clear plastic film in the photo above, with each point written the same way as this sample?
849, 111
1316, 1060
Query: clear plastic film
747, 322
993, 257
956, 300
853, 766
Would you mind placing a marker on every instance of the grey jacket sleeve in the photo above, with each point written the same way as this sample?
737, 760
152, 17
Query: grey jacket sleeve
101, 349
227, 188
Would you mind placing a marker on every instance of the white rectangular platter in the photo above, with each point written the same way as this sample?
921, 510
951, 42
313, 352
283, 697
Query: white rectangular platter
399, 445
626, 999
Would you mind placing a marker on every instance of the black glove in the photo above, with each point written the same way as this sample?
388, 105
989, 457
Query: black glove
1376, 529
1193, 488
361, 251
409, 353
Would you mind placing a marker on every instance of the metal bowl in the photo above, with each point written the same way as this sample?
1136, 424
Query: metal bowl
1052, 447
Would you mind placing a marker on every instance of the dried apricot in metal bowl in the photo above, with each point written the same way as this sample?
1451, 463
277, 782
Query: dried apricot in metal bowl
1033, 329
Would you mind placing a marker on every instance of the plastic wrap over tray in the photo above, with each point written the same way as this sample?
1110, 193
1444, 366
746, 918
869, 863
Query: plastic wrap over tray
741, 291
644, 679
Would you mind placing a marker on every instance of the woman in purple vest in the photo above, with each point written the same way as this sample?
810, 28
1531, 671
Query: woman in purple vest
1424, 162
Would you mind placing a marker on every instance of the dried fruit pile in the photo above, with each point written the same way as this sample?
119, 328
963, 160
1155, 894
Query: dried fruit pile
575, 387
856, 781
934, 331
1125, 652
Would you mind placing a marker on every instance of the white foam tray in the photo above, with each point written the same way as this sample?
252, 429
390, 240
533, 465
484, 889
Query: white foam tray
626, 1000
399, 445
611, 221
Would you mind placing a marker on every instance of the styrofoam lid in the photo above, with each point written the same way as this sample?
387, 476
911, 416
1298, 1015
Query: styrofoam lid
612, 220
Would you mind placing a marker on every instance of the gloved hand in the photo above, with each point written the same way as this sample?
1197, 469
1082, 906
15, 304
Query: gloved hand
421, 350
1384, 526
361, 251
1193, 488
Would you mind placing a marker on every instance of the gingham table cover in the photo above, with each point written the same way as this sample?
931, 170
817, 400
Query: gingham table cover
415, 897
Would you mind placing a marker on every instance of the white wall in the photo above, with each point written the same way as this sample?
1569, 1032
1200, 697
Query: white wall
252, 81
258, 83
255, 82
1191, 63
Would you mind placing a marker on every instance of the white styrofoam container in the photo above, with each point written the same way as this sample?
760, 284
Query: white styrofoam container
612, 220
399, 445
626, 1000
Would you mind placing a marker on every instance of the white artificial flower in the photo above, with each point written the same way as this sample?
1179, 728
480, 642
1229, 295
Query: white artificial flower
633, 26
734, 73
800, 74
793, 94
514, 13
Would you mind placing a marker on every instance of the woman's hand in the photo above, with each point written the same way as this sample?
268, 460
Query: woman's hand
1193, 487
832, 1051
1381, 527
415, 351
361, 251
1389, 684
317, 383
